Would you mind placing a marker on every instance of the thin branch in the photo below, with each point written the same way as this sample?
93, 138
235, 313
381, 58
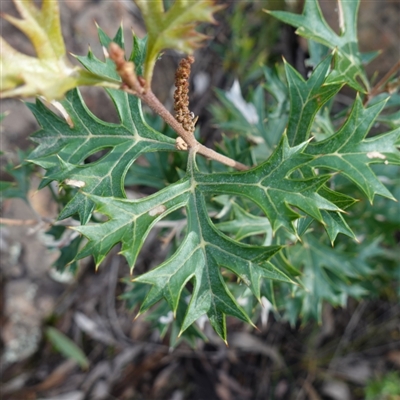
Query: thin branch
376, 89
152, 101
18, 222
40, 220
135, 85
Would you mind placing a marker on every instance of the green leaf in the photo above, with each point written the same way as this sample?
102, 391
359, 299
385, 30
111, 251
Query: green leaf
334, 222
269, 186
2, 116
3, 186
50, 74
138, 55
151, 175
62, 149
130, 221
201, 254
393, 120
366, 58
245, 224
277, 116
67, 256
162, 318
383, 216
173, 29
317, 51
249, 119
323, 126
327, 274
350, 153
107, 67
66, 347
256, 120
237, 119
199, 258
383, 387
311, 24
306, 98
235, 147
21, 174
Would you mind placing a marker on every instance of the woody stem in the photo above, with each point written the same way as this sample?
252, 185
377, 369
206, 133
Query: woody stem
376, 89
135, 85
152, 101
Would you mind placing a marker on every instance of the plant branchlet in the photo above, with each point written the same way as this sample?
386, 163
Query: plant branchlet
125, 69
136, 85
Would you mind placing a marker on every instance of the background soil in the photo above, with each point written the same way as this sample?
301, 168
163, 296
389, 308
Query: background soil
127, 359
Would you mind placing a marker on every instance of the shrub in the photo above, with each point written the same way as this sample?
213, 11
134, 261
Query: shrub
281, 215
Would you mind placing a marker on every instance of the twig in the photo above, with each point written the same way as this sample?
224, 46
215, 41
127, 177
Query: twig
376, 89
135, 85
40, 220
18, 222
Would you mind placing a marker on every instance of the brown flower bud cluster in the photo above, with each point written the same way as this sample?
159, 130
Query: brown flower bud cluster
181, 95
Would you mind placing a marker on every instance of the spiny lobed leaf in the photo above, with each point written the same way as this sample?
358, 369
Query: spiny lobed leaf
202, 253
173, 29
21, 174
63, 148
350, 153
312, 25
50, 74
204, 250
327, 274
307, 98
334, 222
245, 224
162, 317
287, 187
269, 186
199, 258
130, 221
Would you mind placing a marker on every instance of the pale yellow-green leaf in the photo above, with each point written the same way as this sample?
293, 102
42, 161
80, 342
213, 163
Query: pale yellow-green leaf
175, 28
50, 74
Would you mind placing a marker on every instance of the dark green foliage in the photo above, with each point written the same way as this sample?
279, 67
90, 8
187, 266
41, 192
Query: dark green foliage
265, 232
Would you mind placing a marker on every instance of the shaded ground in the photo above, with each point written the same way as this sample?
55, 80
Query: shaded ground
127, 360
